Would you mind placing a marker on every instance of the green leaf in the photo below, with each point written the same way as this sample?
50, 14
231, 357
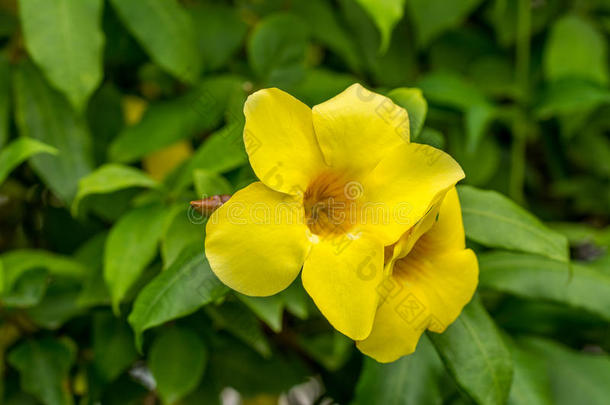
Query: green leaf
18, 151
208, 183
538, 277
42, 114
571, 96
113, 349
187, 285
412, 100
166, 122
65, 39
222, 151
413, 379
385, 14
432, 17
44, 365
27, 290
530, 381
177, 360
325, 27
18, 262
237, 320
575, 377
495, 221
131, 246
296, 299
268, 309
475, 355
58, 306
110, 178
452, 90
330, 348
91, 254
220, 33
319, 85
5, 99
277, 47
186, 227
166, 31
575, 49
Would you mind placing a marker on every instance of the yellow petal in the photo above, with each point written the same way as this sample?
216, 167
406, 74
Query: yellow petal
257, 242
428, 288
357, 127
280, 141
341, 276
423, 293
442, 225
399, 191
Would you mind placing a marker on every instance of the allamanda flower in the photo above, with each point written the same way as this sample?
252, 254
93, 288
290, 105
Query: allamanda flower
337, 183
431, 276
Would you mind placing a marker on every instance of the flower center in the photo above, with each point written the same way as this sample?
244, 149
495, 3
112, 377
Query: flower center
330, 204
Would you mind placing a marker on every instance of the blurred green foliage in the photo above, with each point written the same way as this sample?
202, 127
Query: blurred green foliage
114, 114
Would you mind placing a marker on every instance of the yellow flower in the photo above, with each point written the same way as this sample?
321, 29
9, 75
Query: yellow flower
431, 277
338, 183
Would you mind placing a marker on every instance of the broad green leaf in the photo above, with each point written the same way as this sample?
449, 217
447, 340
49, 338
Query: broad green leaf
65, 39
177, 360
326, 27
413, 379
412, 100
538, 277
319, 85
5, 99
42, 114
130, 247
452, 90
432, 17
27, 290
296, 299
575, 377
268, 309
91, 254
241, 323
208, 183
113, 349
330, 348
44, 366
184, 287
18, 151
570, 96
475, 355
58, 306
233, 364
575, 49
17, 262
220, 33
385, 14
167, 122
276, 50
530, 381
110, 178
166, 31
495, 221
222, 151
186, 227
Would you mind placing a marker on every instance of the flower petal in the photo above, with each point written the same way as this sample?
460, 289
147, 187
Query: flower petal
280, 141
423, 293
357, 127
341, 276
257, 242
399, 191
